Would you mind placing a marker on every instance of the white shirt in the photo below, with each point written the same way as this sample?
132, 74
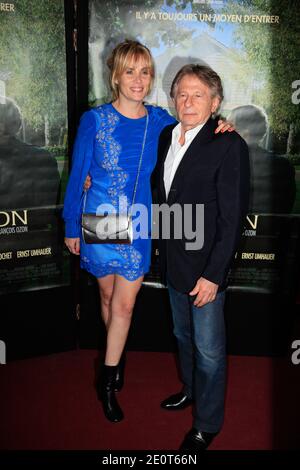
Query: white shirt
176, 153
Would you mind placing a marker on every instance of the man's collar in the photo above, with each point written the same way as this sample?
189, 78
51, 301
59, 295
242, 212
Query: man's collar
190, 134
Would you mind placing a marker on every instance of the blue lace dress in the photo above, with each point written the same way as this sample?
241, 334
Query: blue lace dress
108, 147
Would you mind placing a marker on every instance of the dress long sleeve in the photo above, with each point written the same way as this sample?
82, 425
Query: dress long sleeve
81, 160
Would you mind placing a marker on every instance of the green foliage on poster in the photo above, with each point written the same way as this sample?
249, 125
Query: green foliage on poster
33, 59
273, 52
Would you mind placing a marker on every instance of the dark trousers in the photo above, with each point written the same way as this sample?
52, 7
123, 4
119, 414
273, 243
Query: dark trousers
200, 334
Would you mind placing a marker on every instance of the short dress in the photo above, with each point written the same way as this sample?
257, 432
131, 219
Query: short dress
108, 148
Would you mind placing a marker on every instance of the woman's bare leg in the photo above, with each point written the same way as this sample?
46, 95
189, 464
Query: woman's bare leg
106, 286
122, 303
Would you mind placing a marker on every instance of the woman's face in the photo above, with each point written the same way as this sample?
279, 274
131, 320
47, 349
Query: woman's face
134, 83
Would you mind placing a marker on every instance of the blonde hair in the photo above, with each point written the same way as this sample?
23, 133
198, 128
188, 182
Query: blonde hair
121, 56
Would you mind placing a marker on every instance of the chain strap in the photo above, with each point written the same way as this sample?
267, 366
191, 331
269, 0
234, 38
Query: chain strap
138, 172
140, 162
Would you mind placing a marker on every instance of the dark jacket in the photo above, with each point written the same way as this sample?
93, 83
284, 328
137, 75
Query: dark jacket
215, 172
272, 182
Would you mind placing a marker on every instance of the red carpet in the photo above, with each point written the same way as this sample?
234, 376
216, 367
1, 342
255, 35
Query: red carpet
50, 403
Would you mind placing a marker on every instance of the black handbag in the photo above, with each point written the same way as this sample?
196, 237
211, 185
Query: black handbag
111, 228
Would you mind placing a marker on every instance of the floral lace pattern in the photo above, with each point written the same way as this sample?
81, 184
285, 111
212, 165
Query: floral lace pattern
131, 267
130, 262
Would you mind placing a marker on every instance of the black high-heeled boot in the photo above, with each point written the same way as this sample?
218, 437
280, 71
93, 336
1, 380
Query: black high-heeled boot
106, 393
119, 380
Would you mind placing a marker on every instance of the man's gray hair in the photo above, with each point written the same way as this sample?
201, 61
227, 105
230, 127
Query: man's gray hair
250, 121
205, 74
10, 116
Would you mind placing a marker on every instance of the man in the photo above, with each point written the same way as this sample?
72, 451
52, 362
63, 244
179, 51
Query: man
272, 177
197, 166
28, 174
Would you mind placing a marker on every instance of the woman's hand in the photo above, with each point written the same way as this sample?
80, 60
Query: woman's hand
224, 126
73, 244
87, 183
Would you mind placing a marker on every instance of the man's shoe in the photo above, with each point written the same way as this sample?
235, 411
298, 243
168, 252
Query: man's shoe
179, 401
197, 440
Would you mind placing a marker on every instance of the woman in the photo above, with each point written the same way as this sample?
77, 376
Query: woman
108, 147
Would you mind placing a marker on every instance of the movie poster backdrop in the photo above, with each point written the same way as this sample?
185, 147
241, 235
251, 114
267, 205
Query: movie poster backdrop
254, 47
33, 144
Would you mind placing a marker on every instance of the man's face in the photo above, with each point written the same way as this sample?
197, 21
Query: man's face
193, 102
